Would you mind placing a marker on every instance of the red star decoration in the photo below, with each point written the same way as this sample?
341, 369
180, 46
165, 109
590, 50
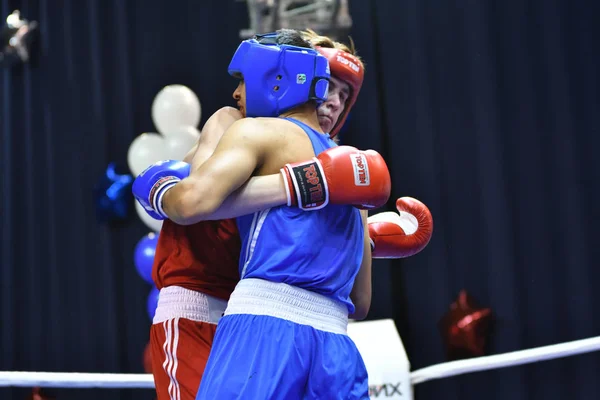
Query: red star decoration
39, 394
465, 328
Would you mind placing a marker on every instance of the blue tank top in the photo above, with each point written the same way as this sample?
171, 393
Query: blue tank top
320, 251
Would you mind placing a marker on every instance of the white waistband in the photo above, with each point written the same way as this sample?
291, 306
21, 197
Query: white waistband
178, 302
260, 297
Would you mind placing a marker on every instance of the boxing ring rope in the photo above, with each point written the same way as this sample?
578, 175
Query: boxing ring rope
452, 368
438, 371
75, 380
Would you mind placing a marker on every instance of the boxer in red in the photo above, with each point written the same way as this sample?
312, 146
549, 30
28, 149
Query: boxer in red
195, 269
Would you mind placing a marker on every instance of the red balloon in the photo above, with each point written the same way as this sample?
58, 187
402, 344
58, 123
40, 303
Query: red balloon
466, 328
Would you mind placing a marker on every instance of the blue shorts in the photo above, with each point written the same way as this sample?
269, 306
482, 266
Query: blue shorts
261, 357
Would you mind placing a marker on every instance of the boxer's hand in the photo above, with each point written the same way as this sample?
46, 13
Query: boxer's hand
401, 235
340, 175
151, 185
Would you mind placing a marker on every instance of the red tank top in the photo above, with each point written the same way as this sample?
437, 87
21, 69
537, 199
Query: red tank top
203, 257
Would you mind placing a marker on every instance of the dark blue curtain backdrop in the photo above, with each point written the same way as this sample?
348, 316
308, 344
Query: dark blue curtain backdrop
488, 111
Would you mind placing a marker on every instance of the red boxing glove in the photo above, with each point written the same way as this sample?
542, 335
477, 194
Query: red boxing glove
340, 175
401, 235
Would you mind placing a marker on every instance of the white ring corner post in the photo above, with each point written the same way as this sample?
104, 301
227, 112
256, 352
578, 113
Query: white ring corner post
385, 358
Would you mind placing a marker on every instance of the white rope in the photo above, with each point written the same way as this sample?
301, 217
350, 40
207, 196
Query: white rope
444, 370
514, 358
76, 380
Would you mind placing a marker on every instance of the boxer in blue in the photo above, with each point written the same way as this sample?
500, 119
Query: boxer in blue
303, 274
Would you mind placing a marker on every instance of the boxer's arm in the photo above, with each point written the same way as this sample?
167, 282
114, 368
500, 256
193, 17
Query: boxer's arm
362, 290
259, 193
198, 197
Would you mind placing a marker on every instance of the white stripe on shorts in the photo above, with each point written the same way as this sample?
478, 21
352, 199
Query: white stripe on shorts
171, 328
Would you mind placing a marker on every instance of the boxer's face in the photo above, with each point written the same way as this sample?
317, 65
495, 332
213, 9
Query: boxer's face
239, 95
330, 111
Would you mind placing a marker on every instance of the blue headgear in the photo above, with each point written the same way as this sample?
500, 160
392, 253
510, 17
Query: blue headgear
279, 77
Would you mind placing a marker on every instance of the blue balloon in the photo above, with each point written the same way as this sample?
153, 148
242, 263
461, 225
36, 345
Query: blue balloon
152, 302
143, 256
112, 195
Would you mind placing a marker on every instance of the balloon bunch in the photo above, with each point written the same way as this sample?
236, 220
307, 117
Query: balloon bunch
176, 113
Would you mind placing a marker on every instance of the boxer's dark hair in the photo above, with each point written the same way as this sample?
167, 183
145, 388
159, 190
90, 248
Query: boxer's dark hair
291, 37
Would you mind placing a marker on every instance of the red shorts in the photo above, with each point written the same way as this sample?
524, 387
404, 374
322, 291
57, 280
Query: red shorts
180, 340
180, 349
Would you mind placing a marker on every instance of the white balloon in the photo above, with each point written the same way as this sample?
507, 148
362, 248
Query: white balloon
150, 222
144, 151
179, 142
175, 106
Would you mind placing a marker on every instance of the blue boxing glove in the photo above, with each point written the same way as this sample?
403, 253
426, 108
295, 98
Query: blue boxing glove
151, 185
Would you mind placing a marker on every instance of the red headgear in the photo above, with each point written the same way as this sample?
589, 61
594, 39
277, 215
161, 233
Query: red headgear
349, 69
